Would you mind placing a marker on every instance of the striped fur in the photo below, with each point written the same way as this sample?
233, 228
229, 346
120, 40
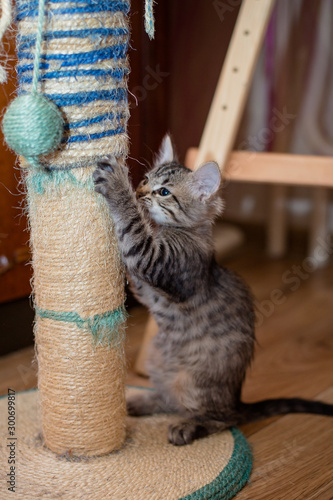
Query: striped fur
204, 312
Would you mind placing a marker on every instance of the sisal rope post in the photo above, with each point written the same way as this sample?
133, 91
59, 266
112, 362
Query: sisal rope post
78, 277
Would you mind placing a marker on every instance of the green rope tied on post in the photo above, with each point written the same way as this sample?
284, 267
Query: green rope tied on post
33, 125
104, 327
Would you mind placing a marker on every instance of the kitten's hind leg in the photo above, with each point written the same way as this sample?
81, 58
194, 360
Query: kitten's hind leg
147, 403
187, 431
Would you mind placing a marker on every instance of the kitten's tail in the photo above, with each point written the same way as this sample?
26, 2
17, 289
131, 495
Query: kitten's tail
250, 412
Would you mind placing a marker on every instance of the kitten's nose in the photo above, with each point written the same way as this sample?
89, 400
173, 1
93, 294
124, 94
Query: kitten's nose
141, 192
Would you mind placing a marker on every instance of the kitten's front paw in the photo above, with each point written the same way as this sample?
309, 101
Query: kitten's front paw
109, 175
103, 176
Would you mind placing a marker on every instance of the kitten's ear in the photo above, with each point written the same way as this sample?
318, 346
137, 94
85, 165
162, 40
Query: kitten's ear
166, 153
207, 180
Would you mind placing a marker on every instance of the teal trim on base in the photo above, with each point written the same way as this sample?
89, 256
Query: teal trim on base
233, 477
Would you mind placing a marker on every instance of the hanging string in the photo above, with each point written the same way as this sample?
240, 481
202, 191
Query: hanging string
41, 10
5, 21
149, 19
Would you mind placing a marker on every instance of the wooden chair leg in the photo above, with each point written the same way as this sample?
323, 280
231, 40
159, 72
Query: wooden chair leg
234, 83
319, 226
277, 222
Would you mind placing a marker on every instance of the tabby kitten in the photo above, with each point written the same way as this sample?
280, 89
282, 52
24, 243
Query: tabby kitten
204, 312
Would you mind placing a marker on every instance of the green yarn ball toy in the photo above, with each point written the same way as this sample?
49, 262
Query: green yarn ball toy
33, 126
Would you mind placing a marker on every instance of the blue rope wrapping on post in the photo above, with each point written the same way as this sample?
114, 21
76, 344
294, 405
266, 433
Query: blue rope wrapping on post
93, 77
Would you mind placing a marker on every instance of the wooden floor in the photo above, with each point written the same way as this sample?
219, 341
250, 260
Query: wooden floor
293, 455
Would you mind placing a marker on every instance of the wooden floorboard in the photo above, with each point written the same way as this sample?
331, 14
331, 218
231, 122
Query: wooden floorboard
293, 458
293, 455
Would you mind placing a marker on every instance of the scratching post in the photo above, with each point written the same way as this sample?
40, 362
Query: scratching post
78, 278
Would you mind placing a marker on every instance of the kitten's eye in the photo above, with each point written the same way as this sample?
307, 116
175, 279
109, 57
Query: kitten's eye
163, 192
